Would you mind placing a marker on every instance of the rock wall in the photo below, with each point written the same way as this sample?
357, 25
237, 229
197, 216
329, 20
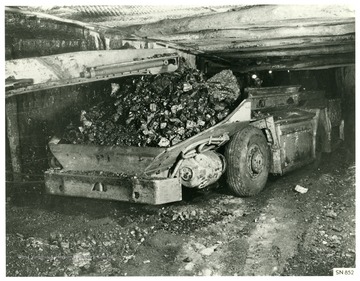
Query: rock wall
31, 36
41, 115
345, 81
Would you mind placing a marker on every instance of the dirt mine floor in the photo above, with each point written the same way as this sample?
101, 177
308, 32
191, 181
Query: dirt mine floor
279, 232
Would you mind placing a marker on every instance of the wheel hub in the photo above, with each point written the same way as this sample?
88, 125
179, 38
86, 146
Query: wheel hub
255, 161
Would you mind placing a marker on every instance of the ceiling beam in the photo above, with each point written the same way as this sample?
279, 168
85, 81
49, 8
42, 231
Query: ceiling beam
248, 34
303, 63
231, 45
325, 50
252, 18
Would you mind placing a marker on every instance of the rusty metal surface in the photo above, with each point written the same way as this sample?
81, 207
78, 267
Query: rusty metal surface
136, 190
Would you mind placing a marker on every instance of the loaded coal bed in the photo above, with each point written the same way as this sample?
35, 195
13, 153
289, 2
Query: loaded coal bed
156, 111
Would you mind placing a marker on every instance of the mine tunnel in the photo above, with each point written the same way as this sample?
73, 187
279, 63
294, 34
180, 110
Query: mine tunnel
180, 140
321, 61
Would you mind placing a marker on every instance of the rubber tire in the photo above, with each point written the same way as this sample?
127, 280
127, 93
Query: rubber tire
238, 174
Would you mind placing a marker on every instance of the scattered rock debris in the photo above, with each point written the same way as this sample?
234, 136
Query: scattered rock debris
301, 189
206, 235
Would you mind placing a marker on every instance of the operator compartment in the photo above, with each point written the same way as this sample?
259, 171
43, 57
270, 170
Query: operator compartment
295, 134
293, 126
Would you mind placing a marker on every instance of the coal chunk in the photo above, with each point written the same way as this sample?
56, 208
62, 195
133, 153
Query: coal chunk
156, 111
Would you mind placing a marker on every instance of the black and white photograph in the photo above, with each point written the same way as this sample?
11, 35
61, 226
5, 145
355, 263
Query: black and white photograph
179, 139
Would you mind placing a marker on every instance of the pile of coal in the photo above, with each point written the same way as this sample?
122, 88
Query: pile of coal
157, 111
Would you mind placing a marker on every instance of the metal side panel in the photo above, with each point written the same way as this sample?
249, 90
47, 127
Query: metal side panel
322, 118
273, 97
296, 142
149, 191
66, 69
116, 159
277, 90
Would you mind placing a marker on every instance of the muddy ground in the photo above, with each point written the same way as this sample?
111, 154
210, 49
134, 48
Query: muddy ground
279, 232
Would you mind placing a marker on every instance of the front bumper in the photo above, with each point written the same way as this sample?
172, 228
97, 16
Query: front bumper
154, 191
